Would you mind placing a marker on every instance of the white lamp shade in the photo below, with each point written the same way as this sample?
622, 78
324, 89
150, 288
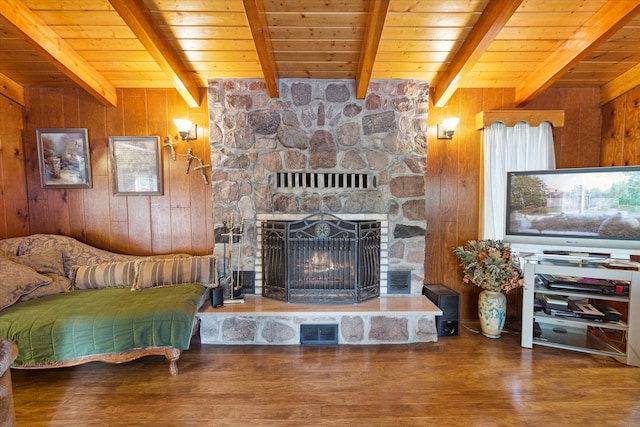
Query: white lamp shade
450, 123
183, 125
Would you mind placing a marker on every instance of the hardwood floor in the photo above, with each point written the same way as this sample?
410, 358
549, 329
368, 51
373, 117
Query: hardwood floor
467, 380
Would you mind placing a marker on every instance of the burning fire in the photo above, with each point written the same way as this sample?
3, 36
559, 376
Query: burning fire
321, 262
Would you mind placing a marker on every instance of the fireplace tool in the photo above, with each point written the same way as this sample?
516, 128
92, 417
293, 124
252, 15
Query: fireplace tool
230, 281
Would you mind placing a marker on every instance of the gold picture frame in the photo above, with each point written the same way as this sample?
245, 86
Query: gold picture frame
136, 165
63, 157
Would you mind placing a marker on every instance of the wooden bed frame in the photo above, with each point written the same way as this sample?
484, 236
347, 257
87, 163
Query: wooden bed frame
172, 355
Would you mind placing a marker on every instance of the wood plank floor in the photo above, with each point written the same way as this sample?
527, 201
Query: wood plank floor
468, 380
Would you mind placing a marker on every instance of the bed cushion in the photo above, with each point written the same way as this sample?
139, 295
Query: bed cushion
168, 272
16, 280
10, 247
101, 321
108, 275
49, 261
74, 251
58, 285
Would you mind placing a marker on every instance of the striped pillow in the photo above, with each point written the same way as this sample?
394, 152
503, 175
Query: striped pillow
167, 272
120, 274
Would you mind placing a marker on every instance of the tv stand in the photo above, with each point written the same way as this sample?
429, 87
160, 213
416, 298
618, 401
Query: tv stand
577, 254
619, 339
575, 258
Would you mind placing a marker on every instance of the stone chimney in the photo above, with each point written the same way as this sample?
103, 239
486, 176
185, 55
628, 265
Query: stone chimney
319, 149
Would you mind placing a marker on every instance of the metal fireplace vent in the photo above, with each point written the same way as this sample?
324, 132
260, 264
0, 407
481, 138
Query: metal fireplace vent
319, 334
321, 258
399, 282
329, 180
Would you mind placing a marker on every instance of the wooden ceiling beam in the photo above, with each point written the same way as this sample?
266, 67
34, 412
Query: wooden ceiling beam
254, 11
47, 43
620, 85
11, 89
138, 19
375, 23
600, 27
493, 19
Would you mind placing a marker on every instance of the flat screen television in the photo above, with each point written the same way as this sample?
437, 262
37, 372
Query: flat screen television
581, 210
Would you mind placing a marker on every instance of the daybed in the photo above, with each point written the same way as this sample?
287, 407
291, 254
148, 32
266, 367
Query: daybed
64, 303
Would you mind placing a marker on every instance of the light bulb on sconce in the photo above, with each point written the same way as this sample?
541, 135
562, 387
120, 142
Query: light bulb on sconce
447, 128
186, 129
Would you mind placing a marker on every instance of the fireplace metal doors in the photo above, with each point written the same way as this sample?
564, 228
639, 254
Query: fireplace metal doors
321, 259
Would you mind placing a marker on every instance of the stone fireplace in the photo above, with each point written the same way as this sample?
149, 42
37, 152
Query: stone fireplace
319, 149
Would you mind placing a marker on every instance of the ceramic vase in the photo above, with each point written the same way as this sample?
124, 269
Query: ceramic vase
492, 311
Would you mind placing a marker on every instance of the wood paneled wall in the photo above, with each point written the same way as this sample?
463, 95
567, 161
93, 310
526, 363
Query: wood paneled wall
453, 173
179, 221
621, 130
14, 210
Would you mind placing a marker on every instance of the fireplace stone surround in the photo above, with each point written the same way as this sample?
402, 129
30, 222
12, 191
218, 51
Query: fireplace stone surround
319, 149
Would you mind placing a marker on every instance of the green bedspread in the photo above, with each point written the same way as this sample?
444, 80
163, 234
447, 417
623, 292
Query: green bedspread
100, 321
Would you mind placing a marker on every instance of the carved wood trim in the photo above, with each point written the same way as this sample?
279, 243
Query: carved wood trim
511, 117
172, 355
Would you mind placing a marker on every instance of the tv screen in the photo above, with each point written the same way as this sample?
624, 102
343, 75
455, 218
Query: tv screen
590, 210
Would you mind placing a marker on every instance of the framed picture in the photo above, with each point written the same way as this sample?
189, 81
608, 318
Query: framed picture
136, 163
63, 155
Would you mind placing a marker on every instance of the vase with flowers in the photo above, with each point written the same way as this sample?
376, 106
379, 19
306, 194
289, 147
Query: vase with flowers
490, 265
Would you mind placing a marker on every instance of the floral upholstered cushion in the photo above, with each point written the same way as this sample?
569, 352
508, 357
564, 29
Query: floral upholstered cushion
49, 261
88, 267
59, 284
176, 271
108, 275
9, 247
16, 280
74, 252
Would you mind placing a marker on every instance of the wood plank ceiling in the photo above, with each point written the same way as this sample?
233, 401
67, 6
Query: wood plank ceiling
529, 45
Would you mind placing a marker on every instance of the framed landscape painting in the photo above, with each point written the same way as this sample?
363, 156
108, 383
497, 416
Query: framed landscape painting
63, 156
136, 163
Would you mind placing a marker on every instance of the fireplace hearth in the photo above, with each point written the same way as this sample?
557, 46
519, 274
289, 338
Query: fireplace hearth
321, 259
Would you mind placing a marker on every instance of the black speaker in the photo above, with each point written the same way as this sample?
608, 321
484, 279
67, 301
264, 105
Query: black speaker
217, 297
448, 301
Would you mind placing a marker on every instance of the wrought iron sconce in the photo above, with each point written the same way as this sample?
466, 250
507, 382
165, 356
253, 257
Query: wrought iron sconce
188, 132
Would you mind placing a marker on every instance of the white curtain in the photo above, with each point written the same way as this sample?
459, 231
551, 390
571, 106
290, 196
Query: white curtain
508, 149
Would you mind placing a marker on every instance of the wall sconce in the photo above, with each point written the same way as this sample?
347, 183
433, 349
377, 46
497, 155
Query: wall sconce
187, 130
447, 127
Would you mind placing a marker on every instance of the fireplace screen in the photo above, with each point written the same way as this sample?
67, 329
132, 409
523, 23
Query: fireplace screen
321, 258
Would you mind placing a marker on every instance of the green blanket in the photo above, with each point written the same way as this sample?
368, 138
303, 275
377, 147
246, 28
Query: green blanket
100, 321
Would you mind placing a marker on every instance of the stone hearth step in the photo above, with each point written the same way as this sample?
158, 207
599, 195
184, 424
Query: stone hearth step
389, 319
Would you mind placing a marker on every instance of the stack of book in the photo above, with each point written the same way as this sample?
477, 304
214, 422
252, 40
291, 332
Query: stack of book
554, 302
562, 306
583, 284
